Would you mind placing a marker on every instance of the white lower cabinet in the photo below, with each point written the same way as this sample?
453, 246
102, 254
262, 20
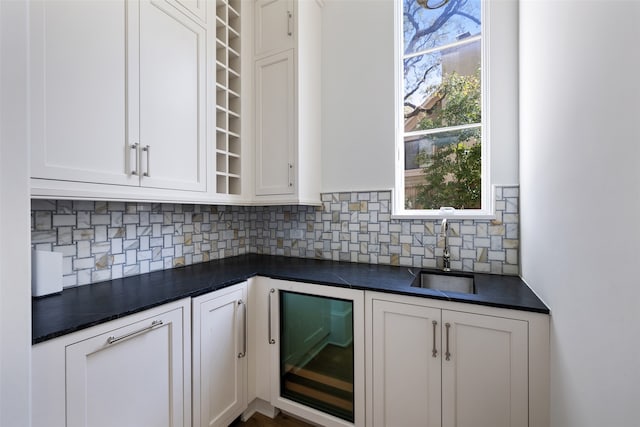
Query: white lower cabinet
433, 363
484, 371
134, 371
219, 356
416, 362
406, 378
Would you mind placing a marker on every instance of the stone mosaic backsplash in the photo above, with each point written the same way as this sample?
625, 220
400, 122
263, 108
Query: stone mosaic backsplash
107, 240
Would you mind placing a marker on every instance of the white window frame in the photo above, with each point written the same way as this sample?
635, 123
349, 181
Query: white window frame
487, 210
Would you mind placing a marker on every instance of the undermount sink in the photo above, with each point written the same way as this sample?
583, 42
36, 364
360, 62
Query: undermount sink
446, 282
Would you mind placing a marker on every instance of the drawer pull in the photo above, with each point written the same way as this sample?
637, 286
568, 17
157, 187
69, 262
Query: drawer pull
113, 340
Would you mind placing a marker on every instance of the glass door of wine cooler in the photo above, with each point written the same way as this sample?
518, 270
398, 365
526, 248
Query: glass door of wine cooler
317, 352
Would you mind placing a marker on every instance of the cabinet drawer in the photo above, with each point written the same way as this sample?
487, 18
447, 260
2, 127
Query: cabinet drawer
133, 371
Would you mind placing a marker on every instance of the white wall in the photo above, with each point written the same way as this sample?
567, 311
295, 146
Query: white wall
358, 94
580, 198
15, 288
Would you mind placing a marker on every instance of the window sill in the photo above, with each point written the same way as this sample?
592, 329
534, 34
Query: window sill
438, 215
487, 214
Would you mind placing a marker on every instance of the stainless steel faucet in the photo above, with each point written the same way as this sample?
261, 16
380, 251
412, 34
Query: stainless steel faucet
446, 255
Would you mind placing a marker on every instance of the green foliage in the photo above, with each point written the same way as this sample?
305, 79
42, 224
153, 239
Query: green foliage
452, 177
459, 104
453, 172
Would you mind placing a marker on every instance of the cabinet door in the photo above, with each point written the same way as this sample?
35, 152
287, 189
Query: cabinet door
172, 98
274, 26
275, 124
219, 357
406, 369
131, 376
79, 91
260, 354
484, 380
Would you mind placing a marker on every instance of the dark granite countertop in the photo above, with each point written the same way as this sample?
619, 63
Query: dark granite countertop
85, 306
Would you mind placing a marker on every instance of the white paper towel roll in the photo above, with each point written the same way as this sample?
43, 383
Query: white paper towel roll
46, 273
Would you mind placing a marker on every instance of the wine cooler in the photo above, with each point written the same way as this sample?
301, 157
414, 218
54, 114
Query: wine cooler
319, 343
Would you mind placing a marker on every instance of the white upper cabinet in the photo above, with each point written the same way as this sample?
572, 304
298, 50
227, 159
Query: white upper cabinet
118, 97
195, 8
172, 98
80, 96
273, 26
274, 118
287, 75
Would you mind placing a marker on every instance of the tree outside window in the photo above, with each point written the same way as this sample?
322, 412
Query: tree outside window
442, 104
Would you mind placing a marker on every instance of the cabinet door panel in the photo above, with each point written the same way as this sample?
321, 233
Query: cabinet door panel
79, 91
198, 8
406, 375
219, 365
484, 384
172, 98
274, 26
135, 381
274, 125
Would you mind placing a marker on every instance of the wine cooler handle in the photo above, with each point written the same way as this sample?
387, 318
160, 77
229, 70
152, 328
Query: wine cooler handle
244, 330
271, 340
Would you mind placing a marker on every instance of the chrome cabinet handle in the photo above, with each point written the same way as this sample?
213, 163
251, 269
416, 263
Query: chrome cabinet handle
147, 150
244, 330
134, 167
290, 174
289, 16
113, 340
271, 340
447, 355
434, 352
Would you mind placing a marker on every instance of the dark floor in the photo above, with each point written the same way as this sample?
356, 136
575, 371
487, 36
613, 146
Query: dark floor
259, 420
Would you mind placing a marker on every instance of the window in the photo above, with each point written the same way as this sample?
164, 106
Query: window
443, 153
